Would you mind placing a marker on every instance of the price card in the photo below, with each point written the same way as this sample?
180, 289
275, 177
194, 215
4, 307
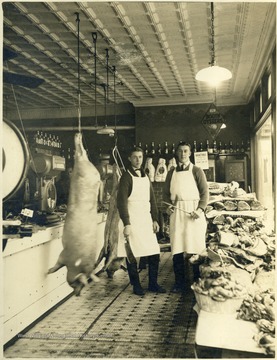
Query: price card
201, 159
27, 212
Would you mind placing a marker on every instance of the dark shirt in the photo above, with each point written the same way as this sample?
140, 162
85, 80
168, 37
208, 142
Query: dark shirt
201, 183
124, 191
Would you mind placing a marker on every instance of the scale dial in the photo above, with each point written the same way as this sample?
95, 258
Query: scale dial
15, 160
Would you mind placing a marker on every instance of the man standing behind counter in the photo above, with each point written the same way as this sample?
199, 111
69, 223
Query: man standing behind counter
186, 188
138, 211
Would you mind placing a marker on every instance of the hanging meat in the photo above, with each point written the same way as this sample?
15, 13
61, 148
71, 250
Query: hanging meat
109, 250
79, 240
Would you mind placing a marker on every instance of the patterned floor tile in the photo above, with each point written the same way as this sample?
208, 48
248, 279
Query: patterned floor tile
109, 321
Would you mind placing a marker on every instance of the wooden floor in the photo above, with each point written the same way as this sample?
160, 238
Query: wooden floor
109, 321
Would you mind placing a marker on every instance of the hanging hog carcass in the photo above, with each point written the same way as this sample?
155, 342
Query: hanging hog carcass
111, 234
79, 239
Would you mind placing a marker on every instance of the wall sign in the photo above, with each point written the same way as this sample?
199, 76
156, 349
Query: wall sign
201, 159
212, 121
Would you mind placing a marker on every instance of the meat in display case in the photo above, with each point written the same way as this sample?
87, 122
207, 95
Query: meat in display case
237, 271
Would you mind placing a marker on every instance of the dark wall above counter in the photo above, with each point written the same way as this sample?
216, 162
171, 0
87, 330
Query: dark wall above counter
184, 122
65, 124
142, 125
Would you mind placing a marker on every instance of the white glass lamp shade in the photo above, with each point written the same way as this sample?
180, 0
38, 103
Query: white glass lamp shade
213, 75
105, 131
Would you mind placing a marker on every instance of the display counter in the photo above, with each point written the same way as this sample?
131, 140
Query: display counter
235, 312
28, 291
224, 331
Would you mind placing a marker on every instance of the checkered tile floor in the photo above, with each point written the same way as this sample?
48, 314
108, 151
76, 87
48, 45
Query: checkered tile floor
109, 321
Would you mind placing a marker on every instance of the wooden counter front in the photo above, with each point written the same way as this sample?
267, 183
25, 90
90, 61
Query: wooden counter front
28, 291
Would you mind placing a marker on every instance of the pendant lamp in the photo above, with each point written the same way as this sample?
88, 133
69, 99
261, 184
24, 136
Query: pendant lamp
105, 130
213, 74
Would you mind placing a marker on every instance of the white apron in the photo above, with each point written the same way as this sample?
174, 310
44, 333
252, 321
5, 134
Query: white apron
143, 240
186, 235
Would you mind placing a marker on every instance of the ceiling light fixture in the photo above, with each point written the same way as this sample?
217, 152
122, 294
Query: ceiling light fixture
213, 74
105, 130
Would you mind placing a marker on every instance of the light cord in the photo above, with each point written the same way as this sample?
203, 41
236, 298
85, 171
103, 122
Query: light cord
23, 129
212, 35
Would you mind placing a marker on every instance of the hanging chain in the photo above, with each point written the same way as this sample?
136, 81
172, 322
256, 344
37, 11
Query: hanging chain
212, 35
106, 86
114, 95
94, 37
107, 62
78, 91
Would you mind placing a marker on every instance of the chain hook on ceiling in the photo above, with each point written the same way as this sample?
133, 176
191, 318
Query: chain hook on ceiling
94, 38
78, 71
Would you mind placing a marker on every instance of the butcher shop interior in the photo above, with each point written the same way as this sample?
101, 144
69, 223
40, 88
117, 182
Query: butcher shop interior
138, 179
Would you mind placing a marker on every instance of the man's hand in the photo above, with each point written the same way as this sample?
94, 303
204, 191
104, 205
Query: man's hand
156, 227
127, 230
196, 213
170, 210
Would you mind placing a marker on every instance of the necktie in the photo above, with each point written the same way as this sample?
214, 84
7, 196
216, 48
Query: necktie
183, 168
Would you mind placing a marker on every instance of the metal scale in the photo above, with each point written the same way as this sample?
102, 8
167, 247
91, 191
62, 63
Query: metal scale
46, 168
20, 165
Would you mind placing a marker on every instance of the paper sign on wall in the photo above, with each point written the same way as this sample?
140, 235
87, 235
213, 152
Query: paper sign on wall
27, 212
201, 159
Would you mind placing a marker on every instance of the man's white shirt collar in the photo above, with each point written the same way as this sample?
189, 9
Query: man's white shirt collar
184, 165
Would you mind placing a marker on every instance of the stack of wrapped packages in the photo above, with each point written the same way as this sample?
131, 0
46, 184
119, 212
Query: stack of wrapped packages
237, 271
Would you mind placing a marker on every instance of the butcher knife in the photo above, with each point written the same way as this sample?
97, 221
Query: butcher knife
176, 207
130, 256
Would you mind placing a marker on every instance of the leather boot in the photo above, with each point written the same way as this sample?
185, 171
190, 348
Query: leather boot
153, 269
196, 272
134, 278
143, 261
179, 272
188, 272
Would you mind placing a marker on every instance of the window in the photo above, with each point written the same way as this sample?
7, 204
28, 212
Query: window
264, 172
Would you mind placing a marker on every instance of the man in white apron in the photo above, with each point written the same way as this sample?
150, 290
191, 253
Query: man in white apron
187, 190
139, 216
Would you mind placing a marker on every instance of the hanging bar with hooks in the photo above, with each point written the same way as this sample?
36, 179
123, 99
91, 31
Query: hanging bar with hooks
78, 71
94, 37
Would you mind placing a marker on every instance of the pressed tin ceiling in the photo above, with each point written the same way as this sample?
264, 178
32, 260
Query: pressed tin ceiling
156, 47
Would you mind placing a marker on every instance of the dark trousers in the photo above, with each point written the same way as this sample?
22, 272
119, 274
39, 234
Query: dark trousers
179, 270
182, 271
153, 269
